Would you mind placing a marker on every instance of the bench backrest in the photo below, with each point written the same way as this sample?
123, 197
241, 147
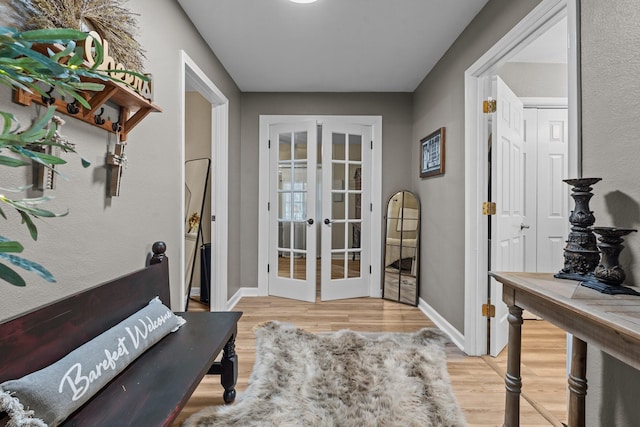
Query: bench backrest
43, 335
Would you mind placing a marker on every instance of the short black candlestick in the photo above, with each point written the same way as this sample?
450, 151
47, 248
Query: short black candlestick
608, 276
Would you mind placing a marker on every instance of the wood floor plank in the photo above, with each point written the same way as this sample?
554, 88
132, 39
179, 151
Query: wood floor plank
478, 382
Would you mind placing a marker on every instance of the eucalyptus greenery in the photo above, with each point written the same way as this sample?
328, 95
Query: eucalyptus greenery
21, 66
110, 18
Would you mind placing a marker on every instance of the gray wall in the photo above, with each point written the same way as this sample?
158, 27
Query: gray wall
395, 109
610, 125
102, 237
439, 101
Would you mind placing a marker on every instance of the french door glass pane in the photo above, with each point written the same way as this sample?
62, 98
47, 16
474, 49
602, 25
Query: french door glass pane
338, 146
355, 148
284, 264
284, 237
337, 266
338, 182
300, 145
355, 176
284, 176
284, 146
353, 269
299, 261
337, 207
300, 177
337, 236
300, 236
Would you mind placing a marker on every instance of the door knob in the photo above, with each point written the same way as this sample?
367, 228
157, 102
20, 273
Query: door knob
310, 221
523, 226
327, 221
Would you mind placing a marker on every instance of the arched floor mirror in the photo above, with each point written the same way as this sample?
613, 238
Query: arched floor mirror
401, 279
196, 178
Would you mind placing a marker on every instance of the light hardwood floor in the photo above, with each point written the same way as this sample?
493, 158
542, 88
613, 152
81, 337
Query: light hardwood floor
478, 382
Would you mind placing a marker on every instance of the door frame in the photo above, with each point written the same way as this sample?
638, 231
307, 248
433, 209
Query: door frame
192, 76
263, 193
545, 15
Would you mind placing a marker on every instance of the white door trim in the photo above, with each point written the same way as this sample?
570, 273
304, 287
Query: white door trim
263, 193
545, 15
192, 74
544, 102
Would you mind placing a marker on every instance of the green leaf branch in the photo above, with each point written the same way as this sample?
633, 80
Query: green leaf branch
61, 67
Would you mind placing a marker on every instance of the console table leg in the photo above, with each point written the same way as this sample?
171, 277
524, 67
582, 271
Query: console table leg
578, 383
229, 370
513, 381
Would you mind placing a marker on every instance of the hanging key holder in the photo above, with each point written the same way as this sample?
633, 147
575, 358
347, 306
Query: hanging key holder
116, 162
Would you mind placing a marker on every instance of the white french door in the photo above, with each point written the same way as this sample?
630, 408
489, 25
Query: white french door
292, 251
319, 209
346, 159
507, 158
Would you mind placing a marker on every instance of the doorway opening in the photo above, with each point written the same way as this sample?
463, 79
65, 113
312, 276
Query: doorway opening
321, 201
215, 107
477, 171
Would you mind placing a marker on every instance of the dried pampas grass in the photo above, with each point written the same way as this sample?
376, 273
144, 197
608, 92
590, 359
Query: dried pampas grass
110, 18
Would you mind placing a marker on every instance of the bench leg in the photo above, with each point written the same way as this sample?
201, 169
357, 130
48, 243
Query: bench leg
229, 370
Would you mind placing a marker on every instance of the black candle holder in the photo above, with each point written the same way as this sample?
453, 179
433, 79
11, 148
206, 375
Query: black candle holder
581, 254
608, 276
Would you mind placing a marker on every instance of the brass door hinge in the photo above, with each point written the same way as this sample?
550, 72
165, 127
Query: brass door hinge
488, 310
489, 106
489, 208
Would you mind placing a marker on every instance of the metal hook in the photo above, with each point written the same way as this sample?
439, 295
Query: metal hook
98, 117
72, 107
116, 126
49, 100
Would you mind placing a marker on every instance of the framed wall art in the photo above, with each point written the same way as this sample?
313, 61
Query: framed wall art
432, 154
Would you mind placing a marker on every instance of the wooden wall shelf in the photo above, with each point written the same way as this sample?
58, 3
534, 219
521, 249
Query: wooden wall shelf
133, 107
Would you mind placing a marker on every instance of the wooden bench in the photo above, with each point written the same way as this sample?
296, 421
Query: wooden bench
153, 389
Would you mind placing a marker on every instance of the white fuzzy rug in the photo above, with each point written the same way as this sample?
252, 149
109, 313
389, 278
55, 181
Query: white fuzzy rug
343, 379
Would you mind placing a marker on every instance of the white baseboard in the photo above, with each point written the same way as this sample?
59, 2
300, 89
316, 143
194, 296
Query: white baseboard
456, 337
242, 292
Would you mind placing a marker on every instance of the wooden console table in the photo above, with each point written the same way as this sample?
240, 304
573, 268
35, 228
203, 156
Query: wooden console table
610, 322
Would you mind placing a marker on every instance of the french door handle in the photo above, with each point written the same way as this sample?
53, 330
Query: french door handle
310, 221
327, 221
523, 226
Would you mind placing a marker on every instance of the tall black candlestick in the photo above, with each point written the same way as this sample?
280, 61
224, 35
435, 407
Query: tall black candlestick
581, 254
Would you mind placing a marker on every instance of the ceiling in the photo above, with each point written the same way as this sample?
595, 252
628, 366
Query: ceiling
550, 47
330, 45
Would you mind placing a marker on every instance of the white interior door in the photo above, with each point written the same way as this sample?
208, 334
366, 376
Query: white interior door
547, 197
508, 246
346, 198
553, 194
292, 243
